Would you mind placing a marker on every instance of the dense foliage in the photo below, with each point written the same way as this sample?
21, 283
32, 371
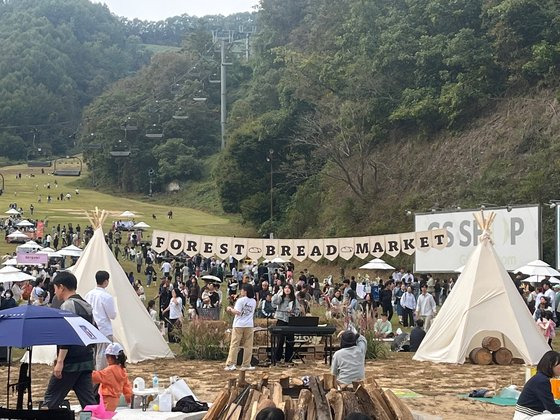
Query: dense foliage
55, 57
174, 30
335, 82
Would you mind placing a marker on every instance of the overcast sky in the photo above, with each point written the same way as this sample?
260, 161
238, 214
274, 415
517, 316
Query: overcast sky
161, 9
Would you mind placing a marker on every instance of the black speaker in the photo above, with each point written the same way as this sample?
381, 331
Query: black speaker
3, 354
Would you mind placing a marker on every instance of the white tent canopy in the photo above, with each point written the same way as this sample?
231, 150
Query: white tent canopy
25, 223
133, 328
538, 279
141, 225
12, 212
29, 245
483, 302
11, 274
128, 214
70, 251
377, 264
17, 235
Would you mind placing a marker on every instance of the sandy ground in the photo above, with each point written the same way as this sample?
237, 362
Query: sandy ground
438, 384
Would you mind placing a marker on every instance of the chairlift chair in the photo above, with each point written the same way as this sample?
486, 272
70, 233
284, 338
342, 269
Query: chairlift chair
121, 149
155, 131
130, 125
181, 114
73, 166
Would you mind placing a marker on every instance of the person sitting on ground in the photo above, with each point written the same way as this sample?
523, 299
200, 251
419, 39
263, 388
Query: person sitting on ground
417, 335
383, 327
348, 363
536, 397
114, 378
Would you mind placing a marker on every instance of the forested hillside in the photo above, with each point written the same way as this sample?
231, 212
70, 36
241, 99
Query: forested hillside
55, 57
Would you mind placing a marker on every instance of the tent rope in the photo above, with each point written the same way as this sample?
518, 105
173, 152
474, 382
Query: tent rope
97, 217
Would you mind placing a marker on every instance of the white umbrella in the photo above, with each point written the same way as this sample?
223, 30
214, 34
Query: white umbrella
211, 278
538, 268
30, 245
127, 213
12, 274
12, 211
279, 260
11, 261
538, 279
141, 225
377, 264
70, 251
17, 235
25, 223
51, 254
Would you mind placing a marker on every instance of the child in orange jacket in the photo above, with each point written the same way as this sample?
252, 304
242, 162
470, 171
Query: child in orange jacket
113, 379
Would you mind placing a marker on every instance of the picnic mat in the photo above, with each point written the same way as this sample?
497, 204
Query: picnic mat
405, 393
494, 400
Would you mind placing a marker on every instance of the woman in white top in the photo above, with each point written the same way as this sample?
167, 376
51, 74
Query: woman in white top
242, 328
175, 310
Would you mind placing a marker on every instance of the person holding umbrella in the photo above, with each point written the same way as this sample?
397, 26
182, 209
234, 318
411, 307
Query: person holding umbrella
74, 364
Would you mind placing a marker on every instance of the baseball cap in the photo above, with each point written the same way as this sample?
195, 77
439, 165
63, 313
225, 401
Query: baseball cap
114, 349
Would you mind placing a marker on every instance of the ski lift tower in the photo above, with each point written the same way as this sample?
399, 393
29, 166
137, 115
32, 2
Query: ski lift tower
223, 37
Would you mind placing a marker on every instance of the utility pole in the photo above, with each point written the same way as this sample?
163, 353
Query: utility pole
223, 93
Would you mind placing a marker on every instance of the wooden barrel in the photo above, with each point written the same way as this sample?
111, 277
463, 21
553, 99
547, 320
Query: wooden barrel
502, 356
491, 343
480, 356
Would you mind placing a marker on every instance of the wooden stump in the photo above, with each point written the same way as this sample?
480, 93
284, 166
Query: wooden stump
502, 356
480, 356
491, 343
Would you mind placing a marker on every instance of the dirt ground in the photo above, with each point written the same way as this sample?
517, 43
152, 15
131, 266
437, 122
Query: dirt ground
438, 384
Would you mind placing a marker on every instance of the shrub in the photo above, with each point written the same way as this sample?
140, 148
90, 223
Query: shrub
204, 340
376, 349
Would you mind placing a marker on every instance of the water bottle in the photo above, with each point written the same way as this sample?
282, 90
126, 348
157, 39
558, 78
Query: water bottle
155, 381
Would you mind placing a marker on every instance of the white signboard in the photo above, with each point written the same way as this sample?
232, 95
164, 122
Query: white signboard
516, 235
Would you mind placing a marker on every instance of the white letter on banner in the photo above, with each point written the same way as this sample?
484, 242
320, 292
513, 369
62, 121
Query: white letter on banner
315, 249
207, 246
254, 249
439, 238
270, 248
346, 248
377, 246
408, 240
192, 244
393, 245
301, 249
330, 248
423, 241
239, 248
176, 243
223, 247
361, 247
286, 248
160, 239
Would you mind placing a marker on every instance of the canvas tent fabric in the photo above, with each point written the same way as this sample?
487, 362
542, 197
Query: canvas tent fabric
133, 328
483, 302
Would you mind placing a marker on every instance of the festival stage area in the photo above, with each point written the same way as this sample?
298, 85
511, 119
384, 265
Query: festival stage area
439, 384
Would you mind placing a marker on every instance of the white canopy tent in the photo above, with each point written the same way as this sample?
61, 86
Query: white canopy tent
29, 245
70, 251
25, 223
141, 225
377, 264
483, 302
12, 212
127, 214
538, 268
17, 235
10, 274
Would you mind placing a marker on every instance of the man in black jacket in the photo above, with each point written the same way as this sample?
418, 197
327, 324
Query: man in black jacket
74, 364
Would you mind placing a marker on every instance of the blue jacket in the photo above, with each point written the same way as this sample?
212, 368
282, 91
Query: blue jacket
536, 396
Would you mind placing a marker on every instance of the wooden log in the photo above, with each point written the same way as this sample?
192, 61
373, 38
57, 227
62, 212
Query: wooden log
502, 356
236, 415
234, 393
376, 394
335, 402
253, 396
322, 409
350, 403
311, 410
284, 381
370, 379
264, 403
262, 382
289, 409
491, 343
329, 382
218, 405
302, 404
232, 383
254, 411
241, 382
356, 385
265, 391
276, 392
297, 382
480, 356
370, 402
399, 408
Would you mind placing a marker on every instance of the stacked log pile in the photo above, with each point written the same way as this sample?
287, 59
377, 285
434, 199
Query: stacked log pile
319, 399
491, 351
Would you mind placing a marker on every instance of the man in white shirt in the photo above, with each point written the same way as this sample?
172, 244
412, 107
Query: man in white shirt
425, 307
166, 268
104, 311
549, 293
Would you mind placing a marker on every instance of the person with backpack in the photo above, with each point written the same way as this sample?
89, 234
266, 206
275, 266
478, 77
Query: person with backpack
74, 364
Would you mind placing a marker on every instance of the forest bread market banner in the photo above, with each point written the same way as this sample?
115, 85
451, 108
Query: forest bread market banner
299, 249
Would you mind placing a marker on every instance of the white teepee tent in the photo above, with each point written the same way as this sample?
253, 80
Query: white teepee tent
133, 328
483, 302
